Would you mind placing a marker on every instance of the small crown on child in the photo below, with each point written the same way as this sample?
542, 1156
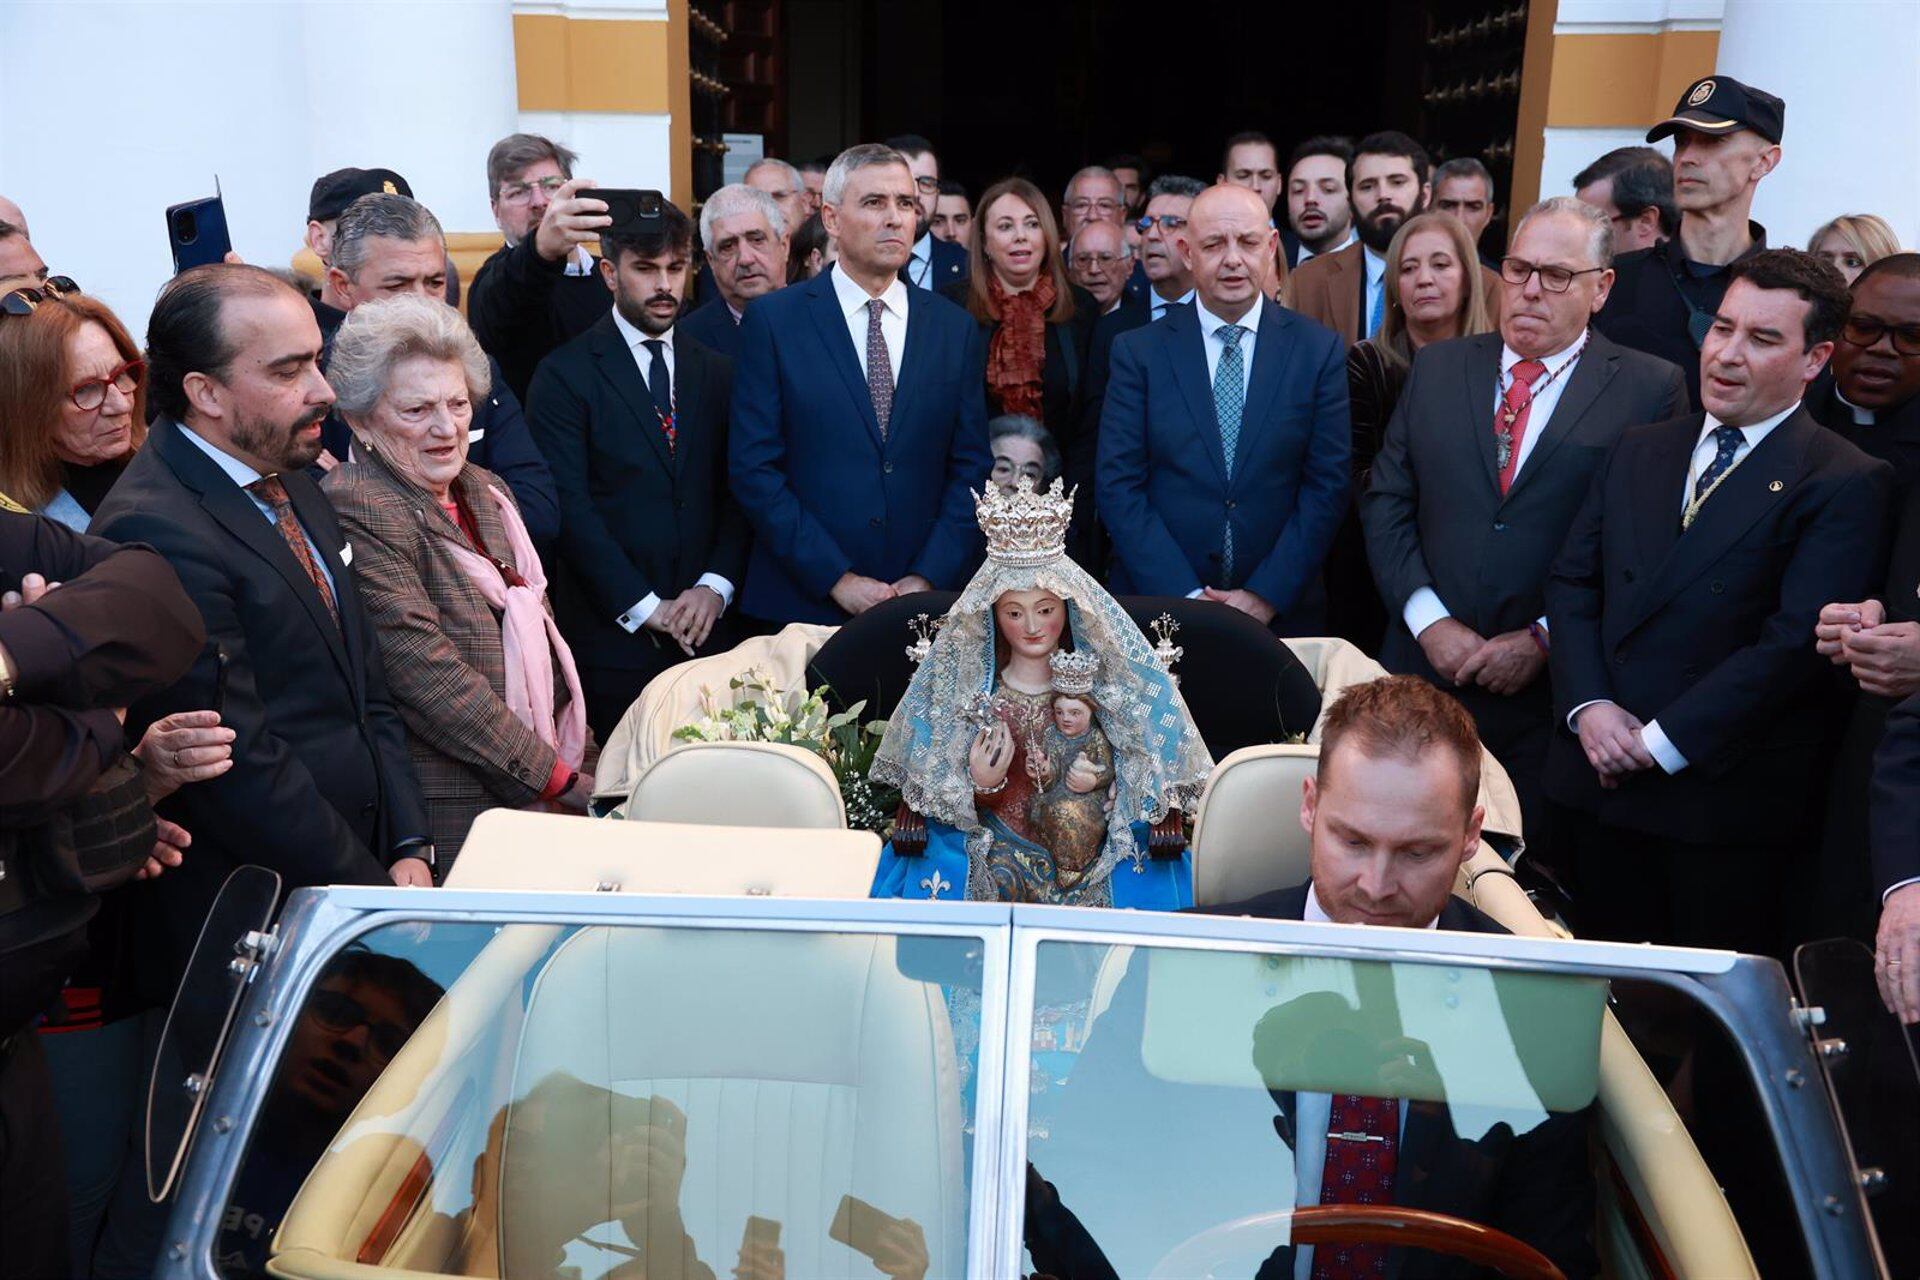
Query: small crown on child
1025, 526
1073, 671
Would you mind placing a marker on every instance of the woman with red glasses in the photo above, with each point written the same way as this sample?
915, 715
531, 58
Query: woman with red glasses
72, 400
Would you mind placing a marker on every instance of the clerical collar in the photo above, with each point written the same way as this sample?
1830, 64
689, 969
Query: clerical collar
1861, 417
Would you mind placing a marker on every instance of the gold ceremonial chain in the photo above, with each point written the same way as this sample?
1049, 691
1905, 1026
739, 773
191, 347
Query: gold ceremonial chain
1509, 414
1693, 508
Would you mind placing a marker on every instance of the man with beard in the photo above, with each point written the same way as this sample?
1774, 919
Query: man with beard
321, 790
632, 417
1319, 217
1347, 290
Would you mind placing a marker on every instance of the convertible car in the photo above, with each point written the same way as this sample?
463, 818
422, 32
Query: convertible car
681, 1043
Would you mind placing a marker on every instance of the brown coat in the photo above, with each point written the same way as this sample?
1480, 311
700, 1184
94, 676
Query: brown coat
440, 643
1328, 289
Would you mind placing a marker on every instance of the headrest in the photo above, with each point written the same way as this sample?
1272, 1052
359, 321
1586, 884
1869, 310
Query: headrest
1247, 838
510, 849
740, 784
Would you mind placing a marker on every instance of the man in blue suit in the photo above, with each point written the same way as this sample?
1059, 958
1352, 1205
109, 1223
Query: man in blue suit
1222, 468
859, 417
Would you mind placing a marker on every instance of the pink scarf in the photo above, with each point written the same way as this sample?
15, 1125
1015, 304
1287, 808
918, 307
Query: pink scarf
530, 639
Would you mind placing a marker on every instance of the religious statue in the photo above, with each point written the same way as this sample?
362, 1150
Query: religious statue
1040, 739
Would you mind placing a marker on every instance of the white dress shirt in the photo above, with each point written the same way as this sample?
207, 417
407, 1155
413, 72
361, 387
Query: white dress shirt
893, 318
1652, 736
1311, 1114
635, 618
1157, 305
579, 262
1306, 253
1424, 607
243, 475
1376, 286
920, 265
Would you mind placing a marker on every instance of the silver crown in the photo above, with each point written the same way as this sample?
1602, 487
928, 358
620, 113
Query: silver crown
1024, 526
1073, 671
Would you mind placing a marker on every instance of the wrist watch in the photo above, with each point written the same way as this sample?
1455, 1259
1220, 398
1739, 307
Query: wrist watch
421, 849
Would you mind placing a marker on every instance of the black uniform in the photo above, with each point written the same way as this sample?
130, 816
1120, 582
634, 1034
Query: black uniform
521, 307
1662, 303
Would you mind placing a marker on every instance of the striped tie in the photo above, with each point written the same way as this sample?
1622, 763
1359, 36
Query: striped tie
1229, 403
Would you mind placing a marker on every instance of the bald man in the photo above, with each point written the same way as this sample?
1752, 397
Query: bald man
19, 263
1222, 468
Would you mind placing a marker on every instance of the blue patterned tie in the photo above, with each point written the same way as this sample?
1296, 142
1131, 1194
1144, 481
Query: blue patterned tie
1378, 311
1229, 403
1728, 441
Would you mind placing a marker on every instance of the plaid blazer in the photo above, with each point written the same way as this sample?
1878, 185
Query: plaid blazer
440, 642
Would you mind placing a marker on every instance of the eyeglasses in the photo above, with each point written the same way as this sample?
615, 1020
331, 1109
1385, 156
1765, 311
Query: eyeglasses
522, 192
1104, 208
22, 301
1865, 331
1552, 279
340, 1012
1006, 471
92, 393
1167, 221
927, 184
1088, 261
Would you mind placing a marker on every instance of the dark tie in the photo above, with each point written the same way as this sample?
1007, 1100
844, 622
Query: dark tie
879, 367
660, 383
270, 491
1363, 1153
1511, 418
1727, 442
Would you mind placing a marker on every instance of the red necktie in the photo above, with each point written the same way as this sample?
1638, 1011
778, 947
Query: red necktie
1510, 419
1363, 1151
270, 491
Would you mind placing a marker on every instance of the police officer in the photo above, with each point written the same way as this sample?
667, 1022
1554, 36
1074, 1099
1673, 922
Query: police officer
1726, 139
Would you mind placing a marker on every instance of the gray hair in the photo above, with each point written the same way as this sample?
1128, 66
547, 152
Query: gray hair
1018, 424
518, 152
1463, 167
1073, 241
1091, 171
379, 214
1175, 184
795, 183
734, 199
378, 335
863, 156
1599, 225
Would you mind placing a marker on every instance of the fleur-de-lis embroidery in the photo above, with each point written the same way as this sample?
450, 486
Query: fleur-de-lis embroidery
936, 884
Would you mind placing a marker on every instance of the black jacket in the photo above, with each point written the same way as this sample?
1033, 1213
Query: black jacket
1655, 297
521, 307
1711, 631
635, 519
322, 789
1895, 809
118, 628
712, 325
1537, 1186
1063, 376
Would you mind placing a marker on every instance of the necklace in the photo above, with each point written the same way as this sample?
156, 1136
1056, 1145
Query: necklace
1688, 516
1510, 413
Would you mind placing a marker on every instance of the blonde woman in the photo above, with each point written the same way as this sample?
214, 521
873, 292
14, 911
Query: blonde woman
1852, 242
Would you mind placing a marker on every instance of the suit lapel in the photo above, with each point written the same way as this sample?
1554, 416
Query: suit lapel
1270, 351
1760, 481
912, 353
617, 366
1584, 385
1349, 293
824, 302
1481, 385
1188, 350
322, 527
690, 365
1655, 511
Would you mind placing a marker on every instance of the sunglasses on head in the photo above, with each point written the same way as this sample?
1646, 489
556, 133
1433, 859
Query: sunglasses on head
22, 301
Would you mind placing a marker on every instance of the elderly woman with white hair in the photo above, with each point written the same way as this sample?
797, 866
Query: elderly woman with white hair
484, 681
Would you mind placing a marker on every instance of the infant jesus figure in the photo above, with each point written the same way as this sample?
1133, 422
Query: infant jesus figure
1072, 771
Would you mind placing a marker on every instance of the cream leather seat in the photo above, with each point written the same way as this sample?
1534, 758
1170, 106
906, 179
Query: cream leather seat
1247, 838
739, 784
807, 1068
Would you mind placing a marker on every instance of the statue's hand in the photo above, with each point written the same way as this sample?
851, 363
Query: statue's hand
1083, 775
990, 756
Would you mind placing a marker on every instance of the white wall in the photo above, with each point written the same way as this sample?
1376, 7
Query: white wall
269, 94
614, 150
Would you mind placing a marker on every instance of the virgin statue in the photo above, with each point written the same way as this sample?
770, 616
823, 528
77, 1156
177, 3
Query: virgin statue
996, 753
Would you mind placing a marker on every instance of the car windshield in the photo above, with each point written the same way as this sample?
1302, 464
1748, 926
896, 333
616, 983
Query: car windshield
1182, 1101
627, 1101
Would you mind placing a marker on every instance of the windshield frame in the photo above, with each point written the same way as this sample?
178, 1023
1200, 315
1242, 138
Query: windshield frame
1749, 996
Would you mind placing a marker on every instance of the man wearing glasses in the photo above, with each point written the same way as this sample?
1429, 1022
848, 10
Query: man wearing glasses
1873, 401
1466, 511
1093, 195
542, 288
934, 262
1100, 262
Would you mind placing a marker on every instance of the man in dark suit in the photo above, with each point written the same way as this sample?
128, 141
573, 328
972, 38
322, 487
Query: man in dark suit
1466, 510
1319, 216
633, 419
1392, 813
1224, 437
321, 789
932, 263
1682, 612
1896, 859
539, 289
1726, 138
1873, 401
859, 418
745, 236
386, 245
